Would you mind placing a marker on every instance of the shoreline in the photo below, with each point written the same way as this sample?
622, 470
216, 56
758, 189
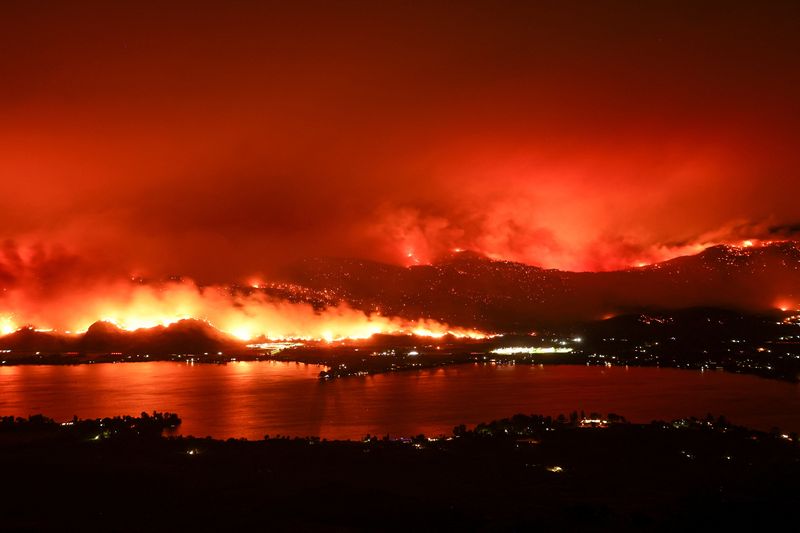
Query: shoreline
334, 369
572, 472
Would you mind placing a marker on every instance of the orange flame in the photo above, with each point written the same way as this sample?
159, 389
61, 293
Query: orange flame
7, 325
244, 316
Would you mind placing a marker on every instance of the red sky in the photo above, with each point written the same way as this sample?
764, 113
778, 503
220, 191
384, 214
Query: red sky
221, 139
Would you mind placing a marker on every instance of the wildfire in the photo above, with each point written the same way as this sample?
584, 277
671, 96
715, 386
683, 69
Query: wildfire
343, 323
132, 323
245, 316
7, 325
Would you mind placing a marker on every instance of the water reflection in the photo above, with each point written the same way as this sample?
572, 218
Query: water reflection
249, 399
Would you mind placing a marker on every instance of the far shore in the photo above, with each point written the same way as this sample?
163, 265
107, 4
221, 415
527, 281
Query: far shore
346, 362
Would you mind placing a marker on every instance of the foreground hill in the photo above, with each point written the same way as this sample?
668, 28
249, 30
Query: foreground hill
518, 474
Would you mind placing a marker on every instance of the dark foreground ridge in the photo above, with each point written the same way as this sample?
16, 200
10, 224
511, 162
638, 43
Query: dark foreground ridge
577, 472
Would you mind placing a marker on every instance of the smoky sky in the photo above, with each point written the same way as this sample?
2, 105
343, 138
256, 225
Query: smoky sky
222, 139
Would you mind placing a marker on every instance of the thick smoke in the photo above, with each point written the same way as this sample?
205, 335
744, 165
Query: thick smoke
56, 290
218, 144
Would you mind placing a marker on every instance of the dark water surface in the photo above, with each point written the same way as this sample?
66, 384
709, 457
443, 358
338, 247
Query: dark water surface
250, 399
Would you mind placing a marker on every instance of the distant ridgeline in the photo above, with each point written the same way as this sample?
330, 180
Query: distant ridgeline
470, 290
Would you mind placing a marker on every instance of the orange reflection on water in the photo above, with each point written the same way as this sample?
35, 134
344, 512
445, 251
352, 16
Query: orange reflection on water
251, 399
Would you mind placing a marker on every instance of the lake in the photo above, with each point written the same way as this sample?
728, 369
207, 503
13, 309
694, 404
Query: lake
251, 399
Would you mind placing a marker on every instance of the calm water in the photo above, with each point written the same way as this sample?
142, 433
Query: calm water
250, 399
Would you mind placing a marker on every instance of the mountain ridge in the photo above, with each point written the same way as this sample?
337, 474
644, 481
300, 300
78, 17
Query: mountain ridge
477, 291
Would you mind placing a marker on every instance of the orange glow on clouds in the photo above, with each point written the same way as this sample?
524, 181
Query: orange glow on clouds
564, 138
